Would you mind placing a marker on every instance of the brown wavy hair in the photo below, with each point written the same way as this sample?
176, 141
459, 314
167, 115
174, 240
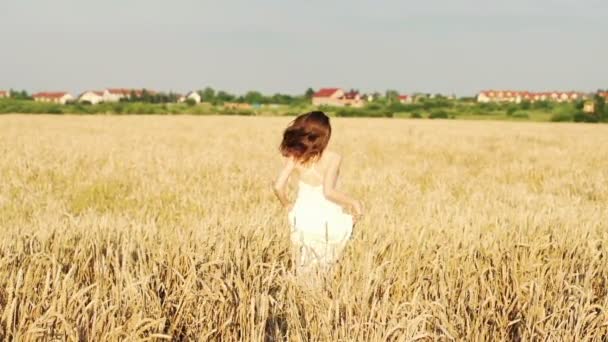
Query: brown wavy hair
306, 137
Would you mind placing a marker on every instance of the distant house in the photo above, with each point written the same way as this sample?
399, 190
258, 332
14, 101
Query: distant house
589, 107
91, 96
352, 99
403, 99
4, 94
487, 96
117, 94
527, 96
575, 96
53, 97
328, 97
338, 98
603, 94
196, 97
554, 96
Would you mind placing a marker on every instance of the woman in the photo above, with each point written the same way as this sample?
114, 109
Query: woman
320, 228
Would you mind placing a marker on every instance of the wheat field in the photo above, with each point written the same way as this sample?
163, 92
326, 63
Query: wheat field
165, 227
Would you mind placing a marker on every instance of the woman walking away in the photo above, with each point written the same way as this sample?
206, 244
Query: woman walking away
320, 228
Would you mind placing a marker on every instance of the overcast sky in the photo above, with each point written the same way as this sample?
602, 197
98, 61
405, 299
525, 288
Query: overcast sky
447, 46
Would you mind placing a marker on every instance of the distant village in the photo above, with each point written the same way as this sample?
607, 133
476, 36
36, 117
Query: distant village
335, 97
95, 97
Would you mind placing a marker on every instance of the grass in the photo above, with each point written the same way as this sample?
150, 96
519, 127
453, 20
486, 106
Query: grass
164, 227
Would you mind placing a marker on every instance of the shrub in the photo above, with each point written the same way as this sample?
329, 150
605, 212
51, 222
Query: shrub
585, 117
374, 106
438, 114
543, 105
563, 113
56, 109
520, 114
415, 115
396, 107
363, 112
561, 117
436, 104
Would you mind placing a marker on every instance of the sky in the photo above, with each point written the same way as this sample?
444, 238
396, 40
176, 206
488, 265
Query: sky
452, 47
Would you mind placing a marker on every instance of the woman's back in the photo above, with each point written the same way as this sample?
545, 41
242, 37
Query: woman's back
313, 173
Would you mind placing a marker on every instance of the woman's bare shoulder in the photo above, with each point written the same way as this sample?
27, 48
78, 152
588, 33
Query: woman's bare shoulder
332, 155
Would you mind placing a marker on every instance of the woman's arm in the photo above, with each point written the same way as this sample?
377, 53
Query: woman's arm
280, 185
329, 187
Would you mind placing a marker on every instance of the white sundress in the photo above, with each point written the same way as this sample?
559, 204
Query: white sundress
320, 228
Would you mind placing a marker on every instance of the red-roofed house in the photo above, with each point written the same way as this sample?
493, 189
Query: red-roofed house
60, 97
554, 96
603, 94
500, 96
485, 96
352, 99
4, 94
91, 96
519, 96
405, 99
337, 97
569, 96
328, 97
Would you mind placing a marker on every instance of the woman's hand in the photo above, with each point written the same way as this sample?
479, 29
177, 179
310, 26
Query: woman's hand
280, 185
357, 208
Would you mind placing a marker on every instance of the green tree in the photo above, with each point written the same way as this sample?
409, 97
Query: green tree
511, 109
172, 97
223, 96
253, 97
20, 95
600, 104
282, 99
132, 97
601, 109
392, 96
309, 93
207, 94
146, 96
